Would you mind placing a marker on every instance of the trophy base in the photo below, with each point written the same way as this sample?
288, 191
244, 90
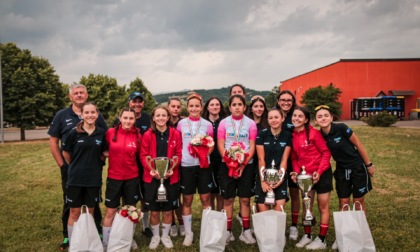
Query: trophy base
309, 222
270, 201
161, 198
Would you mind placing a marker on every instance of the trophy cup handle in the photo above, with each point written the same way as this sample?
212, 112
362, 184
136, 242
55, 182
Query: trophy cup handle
262, 172
283, 173
149, 160
174, 162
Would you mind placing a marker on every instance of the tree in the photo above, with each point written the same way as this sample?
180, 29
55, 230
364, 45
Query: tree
328, 95
271, 99
32, 91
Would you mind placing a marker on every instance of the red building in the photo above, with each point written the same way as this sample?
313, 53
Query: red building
364, 78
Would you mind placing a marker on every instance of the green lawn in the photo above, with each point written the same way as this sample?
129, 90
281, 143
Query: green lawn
30, 196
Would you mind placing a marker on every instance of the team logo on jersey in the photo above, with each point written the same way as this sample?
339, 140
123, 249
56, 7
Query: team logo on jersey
132, 144
348, 130
337, 139
266, 143
282, 144
228, 134
81, 141
186, 134
98, 142
290, 125
362, 190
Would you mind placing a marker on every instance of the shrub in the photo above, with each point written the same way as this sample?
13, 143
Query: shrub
383, 119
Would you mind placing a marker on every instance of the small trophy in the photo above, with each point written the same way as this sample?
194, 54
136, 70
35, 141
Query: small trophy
305, 184
272, 176
160, 166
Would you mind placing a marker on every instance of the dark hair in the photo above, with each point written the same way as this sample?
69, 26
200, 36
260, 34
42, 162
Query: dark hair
289, 93
307, 115
126, 109
236, 85
278, 110
153, 123
237, 96
264, 116
174, 99
206, 114
79, 126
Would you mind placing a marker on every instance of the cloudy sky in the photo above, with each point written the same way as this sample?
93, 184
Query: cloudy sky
192, 44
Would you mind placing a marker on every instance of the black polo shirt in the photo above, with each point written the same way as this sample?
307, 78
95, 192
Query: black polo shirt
343, 151
162, 143
215, 155
287, 124
142, 123
274, 147
86, 150
65, 120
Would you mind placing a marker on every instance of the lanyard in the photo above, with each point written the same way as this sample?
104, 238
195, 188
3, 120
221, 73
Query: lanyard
196, 129
236, 133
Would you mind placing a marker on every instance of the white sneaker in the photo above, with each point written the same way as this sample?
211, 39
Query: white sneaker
239, 218
182, 230
154, 243
246, 237
188, 240
305, 240
293, 233
174, 231
134, 245
316, 244
230, 237
167, 242
335, 245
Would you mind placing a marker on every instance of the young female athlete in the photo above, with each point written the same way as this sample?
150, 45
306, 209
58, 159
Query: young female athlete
193, 177
237, 129
311, 152
161, 141
83, 151
273, 144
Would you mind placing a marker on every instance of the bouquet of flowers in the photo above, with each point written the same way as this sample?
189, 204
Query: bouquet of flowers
131, 212
234, 157
199, 147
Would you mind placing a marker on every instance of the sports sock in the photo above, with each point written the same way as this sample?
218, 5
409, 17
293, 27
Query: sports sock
187, 223
155, 229
245, 222
229, 224
323, 229
166, 229
308, 230
295, 218
105, 233
69, 231
145, 220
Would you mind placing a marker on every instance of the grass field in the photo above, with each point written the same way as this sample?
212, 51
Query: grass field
30, 196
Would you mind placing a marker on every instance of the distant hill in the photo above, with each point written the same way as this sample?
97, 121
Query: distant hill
221, 93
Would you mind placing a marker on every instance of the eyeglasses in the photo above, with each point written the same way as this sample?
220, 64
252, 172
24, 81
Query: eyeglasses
255, 97
322, 107
194, 96
286, 100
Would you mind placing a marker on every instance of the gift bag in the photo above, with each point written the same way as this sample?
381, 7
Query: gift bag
213, 231
352, 231
85, 236
121, 235
270, 230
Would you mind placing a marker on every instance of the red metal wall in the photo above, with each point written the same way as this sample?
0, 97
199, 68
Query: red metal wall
362, 78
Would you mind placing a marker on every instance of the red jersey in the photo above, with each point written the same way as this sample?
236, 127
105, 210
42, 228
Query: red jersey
123, 153
315, 155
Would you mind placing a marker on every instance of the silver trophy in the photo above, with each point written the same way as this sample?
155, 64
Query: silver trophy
272, 176
305, 183
160, 166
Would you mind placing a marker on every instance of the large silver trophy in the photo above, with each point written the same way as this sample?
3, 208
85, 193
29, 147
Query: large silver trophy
305, 183
161, 166
272, 176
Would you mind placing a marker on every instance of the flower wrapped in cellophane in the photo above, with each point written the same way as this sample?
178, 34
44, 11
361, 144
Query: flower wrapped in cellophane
199, 147
234, 157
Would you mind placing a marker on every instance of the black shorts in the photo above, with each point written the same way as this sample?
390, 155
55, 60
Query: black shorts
215, 166
194, 178
354, 181
150, 197
127, 189
242, 187
77, 196
280, 192
324, 184
141, 182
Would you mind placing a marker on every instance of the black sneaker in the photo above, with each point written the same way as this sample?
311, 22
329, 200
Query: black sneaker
148, 233
65, 244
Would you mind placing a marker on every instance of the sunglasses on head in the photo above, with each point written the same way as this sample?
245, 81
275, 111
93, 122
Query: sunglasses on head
194, 96
322, 107
256, 97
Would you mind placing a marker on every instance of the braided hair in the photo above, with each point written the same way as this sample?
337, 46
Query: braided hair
117, 126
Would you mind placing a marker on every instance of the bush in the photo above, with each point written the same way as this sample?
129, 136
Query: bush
383, 119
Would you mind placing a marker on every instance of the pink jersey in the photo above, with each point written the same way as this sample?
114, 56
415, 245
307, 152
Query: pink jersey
233, 130
189, 127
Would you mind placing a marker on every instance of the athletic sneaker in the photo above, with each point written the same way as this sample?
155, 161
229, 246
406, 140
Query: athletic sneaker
154, 243
174, 231
230, 237
316, 244
239, 218
148, 232
293, 233
305, 240
167, 242
182, 230
65, 244
335, 245
188, 240
134, 245
246, 237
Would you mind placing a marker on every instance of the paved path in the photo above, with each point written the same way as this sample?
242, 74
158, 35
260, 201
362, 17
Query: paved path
39, 134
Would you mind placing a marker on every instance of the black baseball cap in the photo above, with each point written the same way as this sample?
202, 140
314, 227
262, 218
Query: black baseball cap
135, 95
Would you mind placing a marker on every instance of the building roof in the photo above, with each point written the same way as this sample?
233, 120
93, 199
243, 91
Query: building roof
402, 92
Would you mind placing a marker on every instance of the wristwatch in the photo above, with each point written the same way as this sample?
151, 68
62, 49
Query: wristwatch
369, 165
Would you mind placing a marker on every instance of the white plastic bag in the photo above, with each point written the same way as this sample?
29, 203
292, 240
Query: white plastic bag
85, 236
213, 231
121, 235
352, 231
270, 230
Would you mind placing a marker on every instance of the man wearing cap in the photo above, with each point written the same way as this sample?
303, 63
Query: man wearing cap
64, 121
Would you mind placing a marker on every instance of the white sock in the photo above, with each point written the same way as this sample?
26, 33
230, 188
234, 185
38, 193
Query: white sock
69, 231
166, 229
187, 223
155, 229
105, 233
145, 220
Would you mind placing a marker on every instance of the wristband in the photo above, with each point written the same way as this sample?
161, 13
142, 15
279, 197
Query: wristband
369, 165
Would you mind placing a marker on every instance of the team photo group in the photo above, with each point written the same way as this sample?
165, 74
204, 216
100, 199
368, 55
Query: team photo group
158, 162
